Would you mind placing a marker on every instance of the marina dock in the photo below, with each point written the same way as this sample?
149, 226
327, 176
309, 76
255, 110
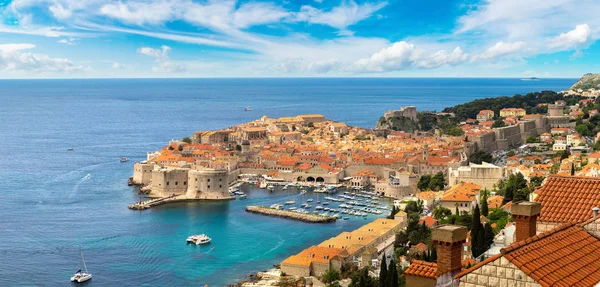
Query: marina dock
312, 218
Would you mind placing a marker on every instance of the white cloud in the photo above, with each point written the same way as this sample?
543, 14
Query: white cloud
117, 66
257, 13
15, 58
578, 38
440, 58
152, 12
341, 17
163, 63
324, 66
403, 55
68, 41
501, 49
59, 11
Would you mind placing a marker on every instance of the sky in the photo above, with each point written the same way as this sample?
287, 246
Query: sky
298, 38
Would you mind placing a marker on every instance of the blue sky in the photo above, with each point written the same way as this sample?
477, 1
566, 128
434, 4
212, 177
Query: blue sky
293, 38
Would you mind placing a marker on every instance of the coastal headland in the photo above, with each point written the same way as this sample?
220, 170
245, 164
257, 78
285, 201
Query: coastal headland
312, 218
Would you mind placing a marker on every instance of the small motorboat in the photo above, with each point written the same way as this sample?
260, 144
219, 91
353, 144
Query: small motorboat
198, 239
124, 159
70, 149
248, 108
290, 202
309, 200
81, 276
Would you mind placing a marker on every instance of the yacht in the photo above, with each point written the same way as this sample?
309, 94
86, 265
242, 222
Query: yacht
290, 202
277, 206
198, 239
270, 188
124, 159
309, 200
80, 276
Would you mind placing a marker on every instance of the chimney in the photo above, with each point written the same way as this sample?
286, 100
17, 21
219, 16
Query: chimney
449, 240
595, 211
525, 214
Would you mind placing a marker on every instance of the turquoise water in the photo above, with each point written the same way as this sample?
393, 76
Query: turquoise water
48, 208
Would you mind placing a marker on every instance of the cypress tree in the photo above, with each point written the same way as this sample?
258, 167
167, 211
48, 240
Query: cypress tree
393, 275
484, 204
572, 169
456, 212
489, 234
475, 244
383, 274
481, 241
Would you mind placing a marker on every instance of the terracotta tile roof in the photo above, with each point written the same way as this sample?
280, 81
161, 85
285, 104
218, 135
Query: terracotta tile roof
312, 254
429, 221
568, 198
564, 256
422, 269
495, 201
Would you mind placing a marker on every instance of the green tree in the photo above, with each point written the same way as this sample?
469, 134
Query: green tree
572, 169
480, 156
441, 212
238, 147
393, 275
383, 275
423, 183
531, 139
475, 243
311, 125
565, 154
393, 212
484, 204
498, 123
582, 129
330, 276
437, 182
361, 278
186, 140
535, 182
488, 234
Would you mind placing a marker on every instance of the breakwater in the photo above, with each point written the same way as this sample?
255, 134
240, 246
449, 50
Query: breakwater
312, 218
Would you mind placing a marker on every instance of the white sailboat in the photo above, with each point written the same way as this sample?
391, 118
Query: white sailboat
79, 276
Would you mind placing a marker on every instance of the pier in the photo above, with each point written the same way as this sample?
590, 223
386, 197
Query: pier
306, 217
154, 202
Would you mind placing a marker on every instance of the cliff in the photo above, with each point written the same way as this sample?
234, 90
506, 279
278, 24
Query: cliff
397, 124
588, 81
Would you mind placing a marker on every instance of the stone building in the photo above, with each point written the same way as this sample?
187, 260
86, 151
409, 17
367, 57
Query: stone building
485, 174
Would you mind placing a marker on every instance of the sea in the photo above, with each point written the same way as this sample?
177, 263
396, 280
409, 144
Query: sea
54, 202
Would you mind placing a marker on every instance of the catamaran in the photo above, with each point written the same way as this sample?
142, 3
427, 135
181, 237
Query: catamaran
79, 276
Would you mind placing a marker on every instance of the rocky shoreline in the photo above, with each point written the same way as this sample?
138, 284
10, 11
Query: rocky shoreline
311, 218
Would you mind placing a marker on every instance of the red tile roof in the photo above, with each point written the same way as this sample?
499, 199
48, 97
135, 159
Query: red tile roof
565, 256
422, 269
568, 198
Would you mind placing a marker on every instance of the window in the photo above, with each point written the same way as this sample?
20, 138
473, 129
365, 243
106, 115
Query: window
220, 179
220, 186
208, 180
176, 183
209, 186
185, 183
167, 183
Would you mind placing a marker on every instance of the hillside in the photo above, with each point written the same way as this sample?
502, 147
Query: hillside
587, 81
